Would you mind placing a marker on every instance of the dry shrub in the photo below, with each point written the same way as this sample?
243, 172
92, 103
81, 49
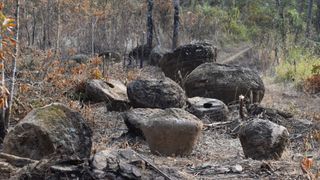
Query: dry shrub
312, 84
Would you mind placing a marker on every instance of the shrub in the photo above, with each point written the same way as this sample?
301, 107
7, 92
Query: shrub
297, 67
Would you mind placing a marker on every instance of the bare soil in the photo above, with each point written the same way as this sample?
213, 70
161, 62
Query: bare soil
217, 152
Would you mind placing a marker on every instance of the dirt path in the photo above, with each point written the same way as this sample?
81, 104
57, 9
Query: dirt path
235, 56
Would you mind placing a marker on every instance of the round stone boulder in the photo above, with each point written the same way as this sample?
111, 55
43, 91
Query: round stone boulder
53, 129
179, 63
138, 117
172, 132
155, 93
156, 55
207, 109
224, 82
113, 92
263, 139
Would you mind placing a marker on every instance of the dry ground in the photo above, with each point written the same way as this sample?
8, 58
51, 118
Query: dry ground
216, 151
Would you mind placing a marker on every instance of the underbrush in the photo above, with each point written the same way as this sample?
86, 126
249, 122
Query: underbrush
59, 81
302, 68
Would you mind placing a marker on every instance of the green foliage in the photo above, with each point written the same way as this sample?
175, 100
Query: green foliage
298, 66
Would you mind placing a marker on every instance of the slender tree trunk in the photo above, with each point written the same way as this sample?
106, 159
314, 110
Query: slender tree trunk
309, 18
33, 26
282, 27
300, 8
3, 129
176, 24
318, 17
57, 49
93, 23
44, 37
14, 66
149, 24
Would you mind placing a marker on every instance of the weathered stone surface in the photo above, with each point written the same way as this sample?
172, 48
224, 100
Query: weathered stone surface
208, 109
113, 92
139, 52
186, 58
80, 58
118, 163
224, 82
154, 93
263, 139
172, 132
156, 54
53, 129
136, 118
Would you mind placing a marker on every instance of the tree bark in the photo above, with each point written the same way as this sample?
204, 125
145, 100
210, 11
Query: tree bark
318, 17
300, 8
14, 66
149, 24
33, 26
309, 18
57, 49
281, 27
176, 24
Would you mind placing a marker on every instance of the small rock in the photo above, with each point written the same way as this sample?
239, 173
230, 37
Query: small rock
212, 109
263, 139
236, 169
154, 93
222, 170
117, 162
113, 92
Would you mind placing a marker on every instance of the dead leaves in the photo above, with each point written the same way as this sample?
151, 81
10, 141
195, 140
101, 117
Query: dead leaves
4, 95
96, 74
306, 167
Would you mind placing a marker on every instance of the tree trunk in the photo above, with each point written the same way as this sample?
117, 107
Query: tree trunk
281, 27
3, 129
57, 49
33, 26
92, 35
300, 8
176, 24
149, 24
14, 66
318, 17
309, 18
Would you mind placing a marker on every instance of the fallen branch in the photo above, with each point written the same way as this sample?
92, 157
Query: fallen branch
16, 160
153, 166
218, 124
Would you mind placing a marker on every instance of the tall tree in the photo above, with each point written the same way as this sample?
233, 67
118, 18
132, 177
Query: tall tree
6, 41
57, 49
282, 27
14, 64
318, 17
309, 18
176, 24
149, 24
